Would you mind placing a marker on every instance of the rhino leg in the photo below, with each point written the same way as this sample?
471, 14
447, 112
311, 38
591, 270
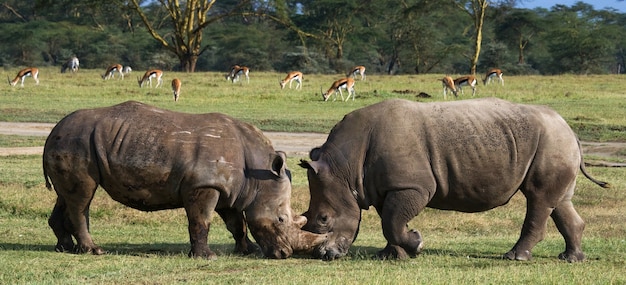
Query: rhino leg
235, 223
533, 230
571, 226
199, 205
398, 209
77, 202
62, 227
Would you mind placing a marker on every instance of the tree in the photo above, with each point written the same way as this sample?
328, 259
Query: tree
476, 9
187, 24
517, 29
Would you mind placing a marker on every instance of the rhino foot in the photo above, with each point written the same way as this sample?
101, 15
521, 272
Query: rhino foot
65, 247
572, 256
515, 255
392, 252
95, 250
206, 254
247, 247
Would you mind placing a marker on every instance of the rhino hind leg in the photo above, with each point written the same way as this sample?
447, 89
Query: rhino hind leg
533, 230
62, 227
398, 209
235, 223
71, 214
571, 227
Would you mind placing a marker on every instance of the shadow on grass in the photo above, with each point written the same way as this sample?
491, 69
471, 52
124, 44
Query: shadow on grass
367, 252
148, 250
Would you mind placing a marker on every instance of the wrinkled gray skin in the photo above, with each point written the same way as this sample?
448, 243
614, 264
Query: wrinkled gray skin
469, 156
152, 159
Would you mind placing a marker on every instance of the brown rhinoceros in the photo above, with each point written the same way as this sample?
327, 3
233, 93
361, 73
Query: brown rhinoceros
469, 156
152, 159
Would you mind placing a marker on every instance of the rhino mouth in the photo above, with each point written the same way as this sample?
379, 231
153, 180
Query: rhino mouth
332, 248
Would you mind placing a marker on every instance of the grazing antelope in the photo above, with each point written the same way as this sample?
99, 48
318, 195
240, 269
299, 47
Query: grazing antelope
127, 69
72, 64
357, 70
176, 88
231, 73
469, 80
236, 71
110, 72
448, 85
494, 72
344, 83
152, 73
292, 76
22, 74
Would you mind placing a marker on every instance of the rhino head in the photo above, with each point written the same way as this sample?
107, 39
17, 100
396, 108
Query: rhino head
333, 210
270, 217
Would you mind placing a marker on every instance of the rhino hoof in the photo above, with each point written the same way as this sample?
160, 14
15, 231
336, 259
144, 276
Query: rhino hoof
392, 252
572, 257
207, 254
515, 255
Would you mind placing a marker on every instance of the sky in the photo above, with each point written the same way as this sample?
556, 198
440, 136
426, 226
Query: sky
597, 4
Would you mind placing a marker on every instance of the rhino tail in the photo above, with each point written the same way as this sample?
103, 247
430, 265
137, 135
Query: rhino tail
45, 175
584, 171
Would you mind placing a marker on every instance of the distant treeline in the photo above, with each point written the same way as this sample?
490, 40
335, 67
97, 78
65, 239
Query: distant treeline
389, 37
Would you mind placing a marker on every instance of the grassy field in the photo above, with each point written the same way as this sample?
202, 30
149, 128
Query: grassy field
151, 248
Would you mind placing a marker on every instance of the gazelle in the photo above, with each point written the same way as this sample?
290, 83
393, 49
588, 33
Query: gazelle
22, 74
110, 72
448, 85
344, 83
357, 70
236, 71
494, 72
469, 80
176, 88
152, 73
292, 76
127, 69
72, 64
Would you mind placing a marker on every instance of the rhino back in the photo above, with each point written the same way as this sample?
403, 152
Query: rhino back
471, 155
143, 156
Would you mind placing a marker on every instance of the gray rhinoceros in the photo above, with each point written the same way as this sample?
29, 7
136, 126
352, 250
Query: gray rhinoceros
152, 159
469, 156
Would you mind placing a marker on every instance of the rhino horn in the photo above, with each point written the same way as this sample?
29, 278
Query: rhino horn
306, 241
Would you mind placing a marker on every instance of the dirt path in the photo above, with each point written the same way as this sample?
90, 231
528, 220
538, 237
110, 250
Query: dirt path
294, 144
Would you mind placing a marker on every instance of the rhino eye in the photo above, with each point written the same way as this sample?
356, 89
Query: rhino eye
323, 219
281, 219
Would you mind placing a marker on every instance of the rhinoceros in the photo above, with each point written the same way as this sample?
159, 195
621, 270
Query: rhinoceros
469, 156
153, 159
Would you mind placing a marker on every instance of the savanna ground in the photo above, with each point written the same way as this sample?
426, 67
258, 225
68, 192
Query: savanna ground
151, 248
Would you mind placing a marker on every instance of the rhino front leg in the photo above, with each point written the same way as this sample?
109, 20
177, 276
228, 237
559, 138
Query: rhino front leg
571, 227
199, 205
398, 209
236, 224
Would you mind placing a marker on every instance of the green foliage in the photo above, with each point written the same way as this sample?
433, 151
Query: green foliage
389, 37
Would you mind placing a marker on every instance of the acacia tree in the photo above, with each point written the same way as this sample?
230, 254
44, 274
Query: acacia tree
187, 23
476, 9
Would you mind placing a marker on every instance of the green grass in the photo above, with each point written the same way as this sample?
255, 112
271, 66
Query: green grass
151, 248
593, 105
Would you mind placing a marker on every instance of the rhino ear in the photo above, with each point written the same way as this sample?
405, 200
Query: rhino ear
309, 165
279, 167
315, 153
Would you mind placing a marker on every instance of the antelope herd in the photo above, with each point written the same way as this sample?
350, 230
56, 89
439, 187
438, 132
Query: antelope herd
236, 72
